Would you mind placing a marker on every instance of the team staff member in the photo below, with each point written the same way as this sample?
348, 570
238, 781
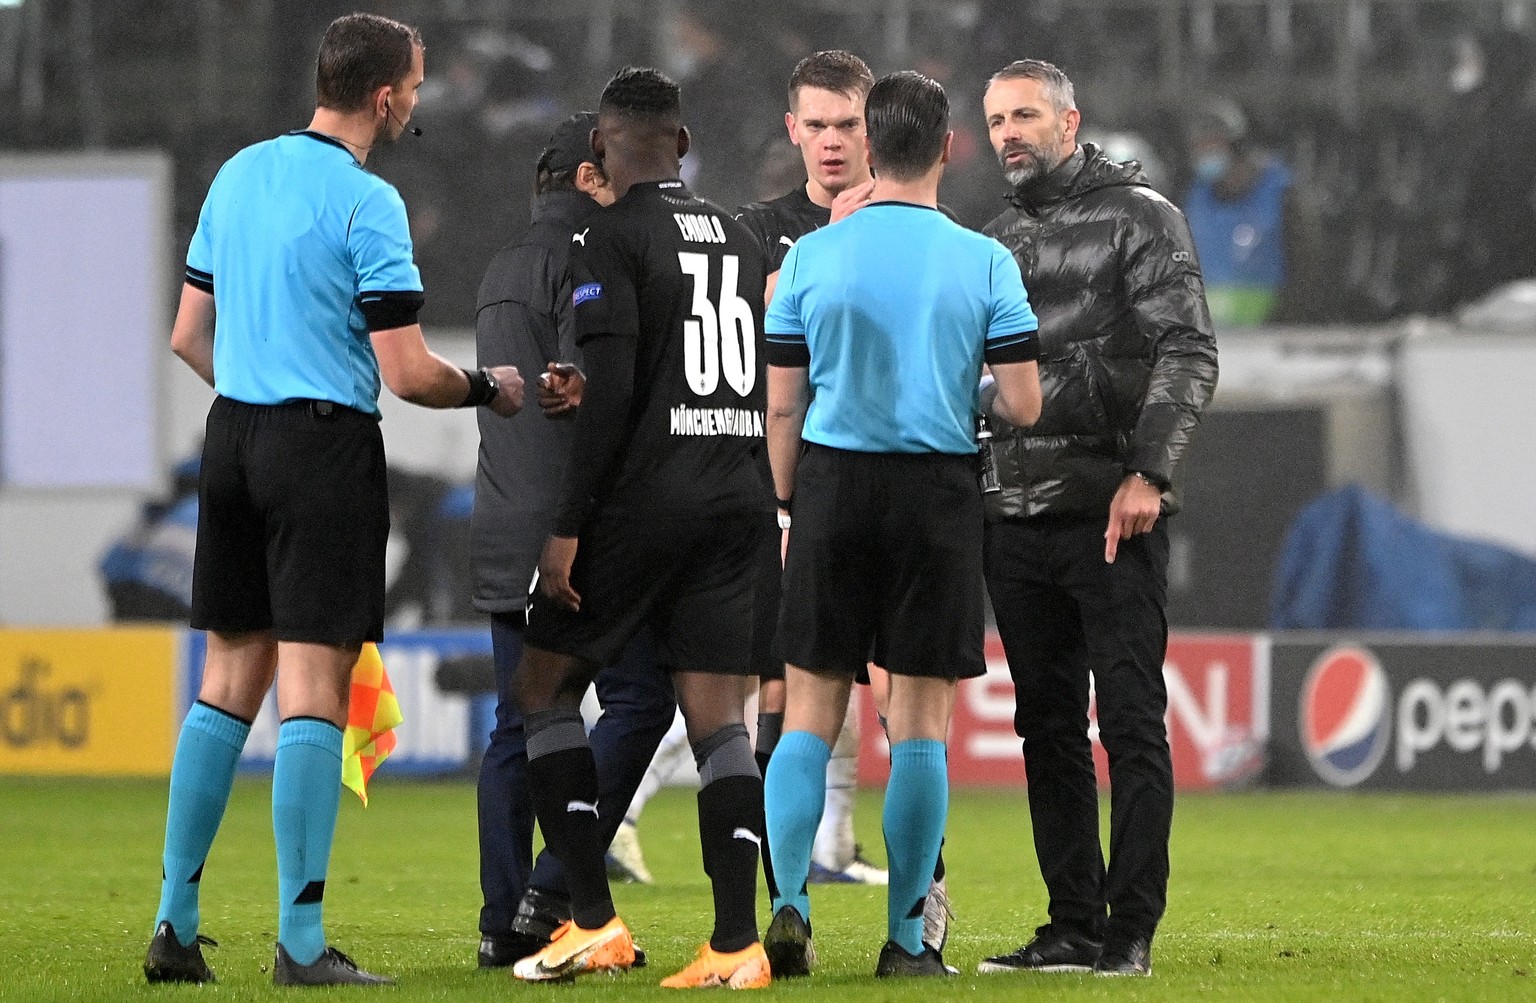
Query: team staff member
1077, 539
826, 123
656, 528
302, 260
887, 318
525, 318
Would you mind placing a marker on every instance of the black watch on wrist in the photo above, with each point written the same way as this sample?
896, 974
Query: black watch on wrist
483, 387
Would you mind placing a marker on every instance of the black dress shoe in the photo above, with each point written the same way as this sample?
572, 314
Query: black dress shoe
499, 950
1125, 956
168, 961
540, 913
895, 961
332, 968
1054, 948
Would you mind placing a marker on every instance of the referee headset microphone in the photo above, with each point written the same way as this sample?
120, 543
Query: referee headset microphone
414, 130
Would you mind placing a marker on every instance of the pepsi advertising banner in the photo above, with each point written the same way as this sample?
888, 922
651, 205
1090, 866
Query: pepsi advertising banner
1380, 713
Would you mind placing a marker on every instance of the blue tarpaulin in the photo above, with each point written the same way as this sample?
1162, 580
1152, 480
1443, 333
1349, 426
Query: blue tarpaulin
1350, 560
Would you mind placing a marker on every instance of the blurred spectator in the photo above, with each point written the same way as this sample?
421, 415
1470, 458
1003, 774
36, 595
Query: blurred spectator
492, 103
779, 169
1487, 167
1126, 146
731, 106
1256, 234
148, 572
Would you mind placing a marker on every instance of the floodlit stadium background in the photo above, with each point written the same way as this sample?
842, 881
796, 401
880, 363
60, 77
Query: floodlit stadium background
1352, 585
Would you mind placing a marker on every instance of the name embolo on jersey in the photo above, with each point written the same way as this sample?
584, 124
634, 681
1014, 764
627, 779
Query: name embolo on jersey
779, 222
675, 273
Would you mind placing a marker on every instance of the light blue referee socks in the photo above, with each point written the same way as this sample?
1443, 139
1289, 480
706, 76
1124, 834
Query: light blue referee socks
306, 792
201, 776
916, 807
794, 795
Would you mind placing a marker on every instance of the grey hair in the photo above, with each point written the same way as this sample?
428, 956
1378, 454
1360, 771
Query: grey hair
1058, 89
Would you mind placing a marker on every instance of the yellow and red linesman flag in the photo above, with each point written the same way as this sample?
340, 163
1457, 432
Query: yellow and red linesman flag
371, 718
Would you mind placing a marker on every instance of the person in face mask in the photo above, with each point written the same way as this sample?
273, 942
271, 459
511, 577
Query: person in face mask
1252, 229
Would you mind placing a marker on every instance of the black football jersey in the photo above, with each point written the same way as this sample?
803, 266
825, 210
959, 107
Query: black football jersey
670, 288
782, 221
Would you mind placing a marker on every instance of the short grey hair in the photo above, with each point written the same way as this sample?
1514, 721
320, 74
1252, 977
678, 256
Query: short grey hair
1058, 89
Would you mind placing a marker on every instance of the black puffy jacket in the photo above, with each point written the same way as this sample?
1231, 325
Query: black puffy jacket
1127, 352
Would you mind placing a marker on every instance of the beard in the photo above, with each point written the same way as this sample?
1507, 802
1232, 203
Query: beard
1038, 165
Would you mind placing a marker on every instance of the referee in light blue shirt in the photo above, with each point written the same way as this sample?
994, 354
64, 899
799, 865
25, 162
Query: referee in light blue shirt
300, 296
887, 317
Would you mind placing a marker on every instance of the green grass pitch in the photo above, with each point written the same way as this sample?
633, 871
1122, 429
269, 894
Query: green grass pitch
1293, 896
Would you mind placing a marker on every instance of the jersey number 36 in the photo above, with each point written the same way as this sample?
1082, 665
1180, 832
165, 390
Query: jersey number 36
719, 337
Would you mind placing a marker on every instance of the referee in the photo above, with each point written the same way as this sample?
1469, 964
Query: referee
825, 121
300, 294
887, 318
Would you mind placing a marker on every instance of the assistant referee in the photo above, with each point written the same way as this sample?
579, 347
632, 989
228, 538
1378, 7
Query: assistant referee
887, 317
300, 293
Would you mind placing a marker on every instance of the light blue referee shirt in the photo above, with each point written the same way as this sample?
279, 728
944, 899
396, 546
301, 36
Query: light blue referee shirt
897, 306
294, 235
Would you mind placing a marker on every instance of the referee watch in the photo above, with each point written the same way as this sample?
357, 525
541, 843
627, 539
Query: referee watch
784, 506
483, 387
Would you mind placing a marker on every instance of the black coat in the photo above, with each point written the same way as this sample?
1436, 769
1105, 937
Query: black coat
1127, 352
523, 318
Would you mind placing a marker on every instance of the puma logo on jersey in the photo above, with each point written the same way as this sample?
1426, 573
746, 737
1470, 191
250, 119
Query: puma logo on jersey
581, 806
699, 228
580, 238
742, 832
783, 239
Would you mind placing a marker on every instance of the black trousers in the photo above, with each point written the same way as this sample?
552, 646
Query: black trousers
1064, 615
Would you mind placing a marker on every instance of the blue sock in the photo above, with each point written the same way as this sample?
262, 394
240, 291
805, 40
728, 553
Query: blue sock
201, 776
916, 806
794, 794
306, 792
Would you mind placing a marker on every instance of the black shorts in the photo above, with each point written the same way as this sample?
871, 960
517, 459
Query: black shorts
884, 565
767, 663
690, 580
293, 521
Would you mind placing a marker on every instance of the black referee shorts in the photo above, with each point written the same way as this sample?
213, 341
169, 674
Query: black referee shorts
691, 580
885, 557
293, 521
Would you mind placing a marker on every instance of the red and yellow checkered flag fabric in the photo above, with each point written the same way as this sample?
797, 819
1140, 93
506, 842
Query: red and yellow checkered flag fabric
371, 719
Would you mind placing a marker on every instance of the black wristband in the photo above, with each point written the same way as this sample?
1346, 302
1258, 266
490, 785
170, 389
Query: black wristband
785, 503
483, 388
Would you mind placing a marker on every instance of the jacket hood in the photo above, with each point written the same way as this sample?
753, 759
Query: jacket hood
1086, 170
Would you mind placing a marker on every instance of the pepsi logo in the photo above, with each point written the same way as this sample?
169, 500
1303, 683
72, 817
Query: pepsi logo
1345, 715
